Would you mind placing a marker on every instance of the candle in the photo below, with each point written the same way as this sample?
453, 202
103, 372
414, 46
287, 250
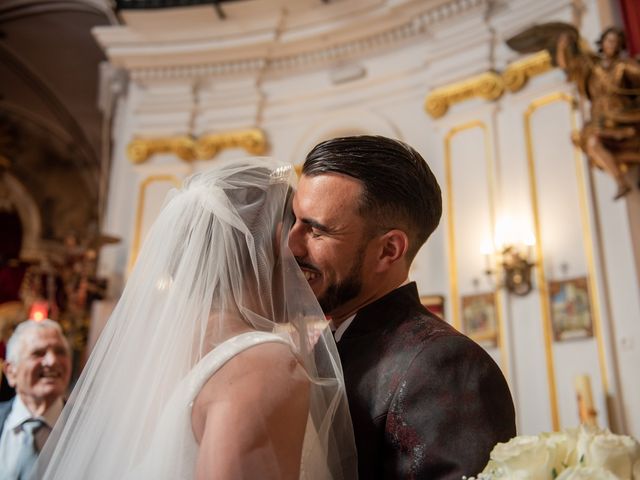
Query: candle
586, 410
39, 310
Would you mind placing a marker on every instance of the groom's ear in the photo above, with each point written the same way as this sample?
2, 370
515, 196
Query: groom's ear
392, 248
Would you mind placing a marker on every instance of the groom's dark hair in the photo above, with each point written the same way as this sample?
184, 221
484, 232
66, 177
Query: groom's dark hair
399, 188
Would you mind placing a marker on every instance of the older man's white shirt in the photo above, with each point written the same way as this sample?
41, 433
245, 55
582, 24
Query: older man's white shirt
12, 439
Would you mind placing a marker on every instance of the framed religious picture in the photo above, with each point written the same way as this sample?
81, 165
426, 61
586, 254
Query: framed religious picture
570, 309
479, 318
434, 303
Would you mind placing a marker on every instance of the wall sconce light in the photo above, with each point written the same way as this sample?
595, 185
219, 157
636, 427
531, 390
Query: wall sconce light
510, 267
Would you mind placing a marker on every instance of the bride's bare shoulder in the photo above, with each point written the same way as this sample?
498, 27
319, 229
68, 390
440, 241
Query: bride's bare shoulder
267, 374
270, 361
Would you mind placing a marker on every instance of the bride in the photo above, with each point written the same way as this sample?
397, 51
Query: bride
216, 363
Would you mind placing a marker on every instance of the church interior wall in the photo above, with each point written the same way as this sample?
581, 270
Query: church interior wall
478, 151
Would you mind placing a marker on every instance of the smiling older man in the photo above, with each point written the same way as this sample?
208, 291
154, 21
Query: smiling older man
38, 366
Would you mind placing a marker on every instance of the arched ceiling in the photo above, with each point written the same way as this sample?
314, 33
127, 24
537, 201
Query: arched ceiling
50, 122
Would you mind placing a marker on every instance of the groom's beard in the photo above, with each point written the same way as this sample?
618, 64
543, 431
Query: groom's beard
338, 294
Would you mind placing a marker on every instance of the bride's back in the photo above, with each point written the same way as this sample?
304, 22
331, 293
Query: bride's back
212, 265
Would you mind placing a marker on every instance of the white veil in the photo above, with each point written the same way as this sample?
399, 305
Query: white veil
215, 263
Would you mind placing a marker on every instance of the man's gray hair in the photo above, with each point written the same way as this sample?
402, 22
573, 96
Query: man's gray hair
15, 344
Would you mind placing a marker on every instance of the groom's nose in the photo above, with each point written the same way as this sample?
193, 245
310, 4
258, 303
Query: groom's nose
297, 240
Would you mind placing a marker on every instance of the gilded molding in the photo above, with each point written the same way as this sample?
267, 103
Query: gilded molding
589, 250
541, 279
488, 85
188, 149
517, 74
253, 141
141, 149
137, 233
453, 263
448, 168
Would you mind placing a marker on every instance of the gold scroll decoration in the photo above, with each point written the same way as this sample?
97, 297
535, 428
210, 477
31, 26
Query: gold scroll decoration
205, 147
488, 85
517, 74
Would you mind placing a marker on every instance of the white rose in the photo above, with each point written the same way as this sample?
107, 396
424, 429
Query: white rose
524, 457
564, 444
616, 453
586, 473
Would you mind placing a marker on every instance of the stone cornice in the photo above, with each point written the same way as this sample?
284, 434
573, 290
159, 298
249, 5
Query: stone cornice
283, 52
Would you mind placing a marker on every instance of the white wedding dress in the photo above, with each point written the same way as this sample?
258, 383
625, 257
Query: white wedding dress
216, 259
174, 427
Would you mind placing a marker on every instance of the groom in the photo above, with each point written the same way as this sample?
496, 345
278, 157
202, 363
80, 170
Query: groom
426, 402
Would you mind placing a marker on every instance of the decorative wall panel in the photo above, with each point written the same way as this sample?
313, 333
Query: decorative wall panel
561, 220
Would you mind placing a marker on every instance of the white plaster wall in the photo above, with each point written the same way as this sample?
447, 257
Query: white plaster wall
299, 109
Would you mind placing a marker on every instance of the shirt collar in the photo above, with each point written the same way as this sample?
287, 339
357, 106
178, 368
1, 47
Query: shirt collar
20, 413
338, 332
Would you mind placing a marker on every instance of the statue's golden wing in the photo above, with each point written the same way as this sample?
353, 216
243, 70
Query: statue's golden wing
542, 37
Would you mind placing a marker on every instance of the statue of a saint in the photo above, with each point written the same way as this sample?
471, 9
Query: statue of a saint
611, 82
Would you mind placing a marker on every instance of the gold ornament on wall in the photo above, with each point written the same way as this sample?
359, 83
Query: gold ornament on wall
488, 86
517, 74
141, 149
188, 149
252, 141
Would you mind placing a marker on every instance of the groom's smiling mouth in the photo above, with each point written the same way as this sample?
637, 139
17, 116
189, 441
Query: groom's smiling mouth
310, 276
310, 273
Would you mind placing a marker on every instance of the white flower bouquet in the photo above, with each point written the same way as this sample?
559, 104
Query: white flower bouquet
573, 454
